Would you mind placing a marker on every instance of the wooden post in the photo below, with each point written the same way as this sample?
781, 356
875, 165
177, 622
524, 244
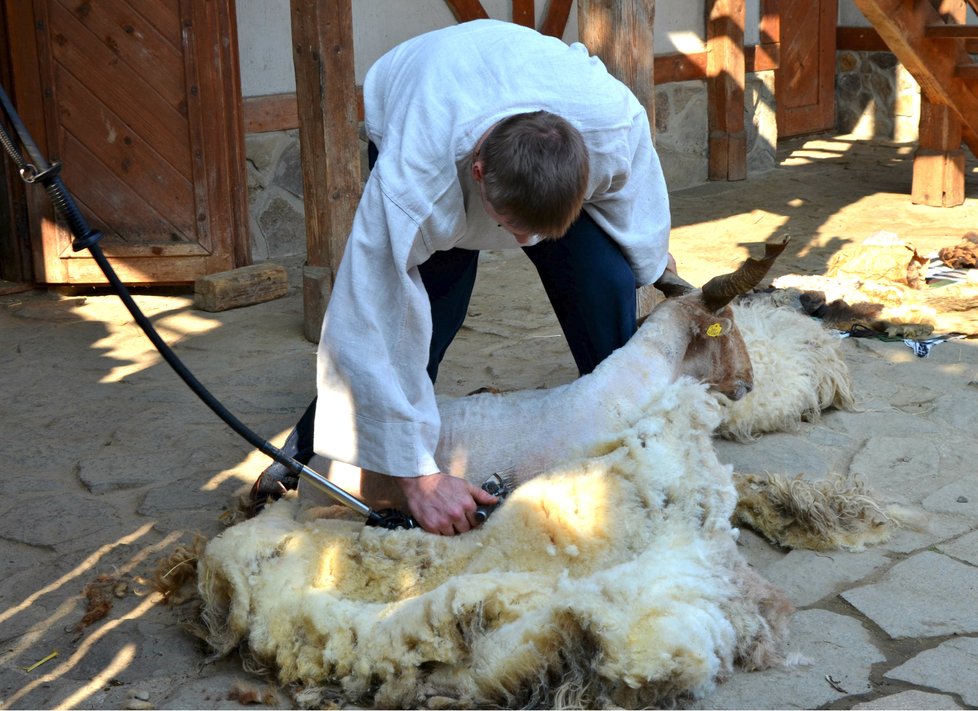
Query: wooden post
938, 163
620, 33
725, 83
322, 37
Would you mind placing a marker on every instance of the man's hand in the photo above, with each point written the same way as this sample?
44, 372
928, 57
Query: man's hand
443, 504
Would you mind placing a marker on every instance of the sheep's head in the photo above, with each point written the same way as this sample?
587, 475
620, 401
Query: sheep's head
716, 353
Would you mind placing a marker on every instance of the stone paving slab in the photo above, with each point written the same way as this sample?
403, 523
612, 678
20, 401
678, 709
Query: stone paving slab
951, 667
927, 595
964, 548
807, 576
911, 700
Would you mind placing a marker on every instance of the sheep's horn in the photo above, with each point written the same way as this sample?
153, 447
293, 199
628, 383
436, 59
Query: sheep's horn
721, 290
671, 284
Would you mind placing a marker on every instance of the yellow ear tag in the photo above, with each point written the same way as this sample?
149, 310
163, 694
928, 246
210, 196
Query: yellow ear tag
714, 330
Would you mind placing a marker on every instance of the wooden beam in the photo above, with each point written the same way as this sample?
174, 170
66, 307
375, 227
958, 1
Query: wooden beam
555, 18
859, 39
280, 112
725, 89
671, 68
762, 57
867, 39
322, 38
951, 32
523, 13
465, 10
275, 112
901, 24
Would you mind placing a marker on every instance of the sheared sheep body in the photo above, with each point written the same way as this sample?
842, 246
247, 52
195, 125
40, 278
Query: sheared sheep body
528, 431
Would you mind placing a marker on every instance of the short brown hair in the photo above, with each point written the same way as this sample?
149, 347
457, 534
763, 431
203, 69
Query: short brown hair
535, 172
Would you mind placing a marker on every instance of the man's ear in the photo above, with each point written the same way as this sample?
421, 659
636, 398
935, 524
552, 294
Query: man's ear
477, 171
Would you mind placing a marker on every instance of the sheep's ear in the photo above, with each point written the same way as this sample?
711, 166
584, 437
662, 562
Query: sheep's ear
672, 285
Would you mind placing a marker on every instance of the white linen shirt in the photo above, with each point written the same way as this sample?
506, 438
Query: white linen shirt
427, 102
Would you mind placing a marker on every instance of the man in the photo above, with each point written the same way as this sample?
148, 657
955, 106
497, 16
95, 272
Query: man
484, 135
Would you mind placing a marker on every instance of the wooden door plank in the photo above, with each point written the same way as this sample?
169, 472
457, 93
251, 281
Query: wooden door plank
214, 106
805, 74
555, 17
162, 175
725, 88
127, 156
135, 43
84, 56
216, 129
164, 17
26, 92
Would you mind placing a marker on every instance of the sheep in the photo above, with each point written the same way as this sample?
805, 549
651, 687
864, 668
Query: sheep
693, 334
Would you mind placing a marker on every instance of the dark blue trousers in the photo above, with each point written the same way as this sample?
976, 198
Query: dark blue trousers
587, 279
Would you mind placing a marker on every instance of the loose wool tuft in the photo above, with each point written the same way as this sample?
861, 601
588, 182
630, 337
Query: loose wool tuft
612, 581
799, 371
828, 514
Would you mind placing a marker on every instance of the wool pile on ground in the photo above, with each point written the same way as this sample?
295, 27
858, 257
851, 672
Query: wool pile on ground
835, 513
614, 580
887, 273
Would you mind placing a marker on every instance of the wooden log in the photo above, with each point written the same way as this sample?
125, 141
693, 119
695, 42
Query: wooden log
240, 287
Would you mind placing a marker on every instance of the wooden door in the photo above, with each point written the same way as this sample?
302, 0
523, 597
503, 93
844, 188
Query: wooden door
140, 102
804, 81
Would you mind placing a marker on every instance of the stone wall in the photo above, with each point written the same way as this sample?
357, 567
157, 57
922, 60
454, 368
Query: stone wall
275, 196
876, 97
